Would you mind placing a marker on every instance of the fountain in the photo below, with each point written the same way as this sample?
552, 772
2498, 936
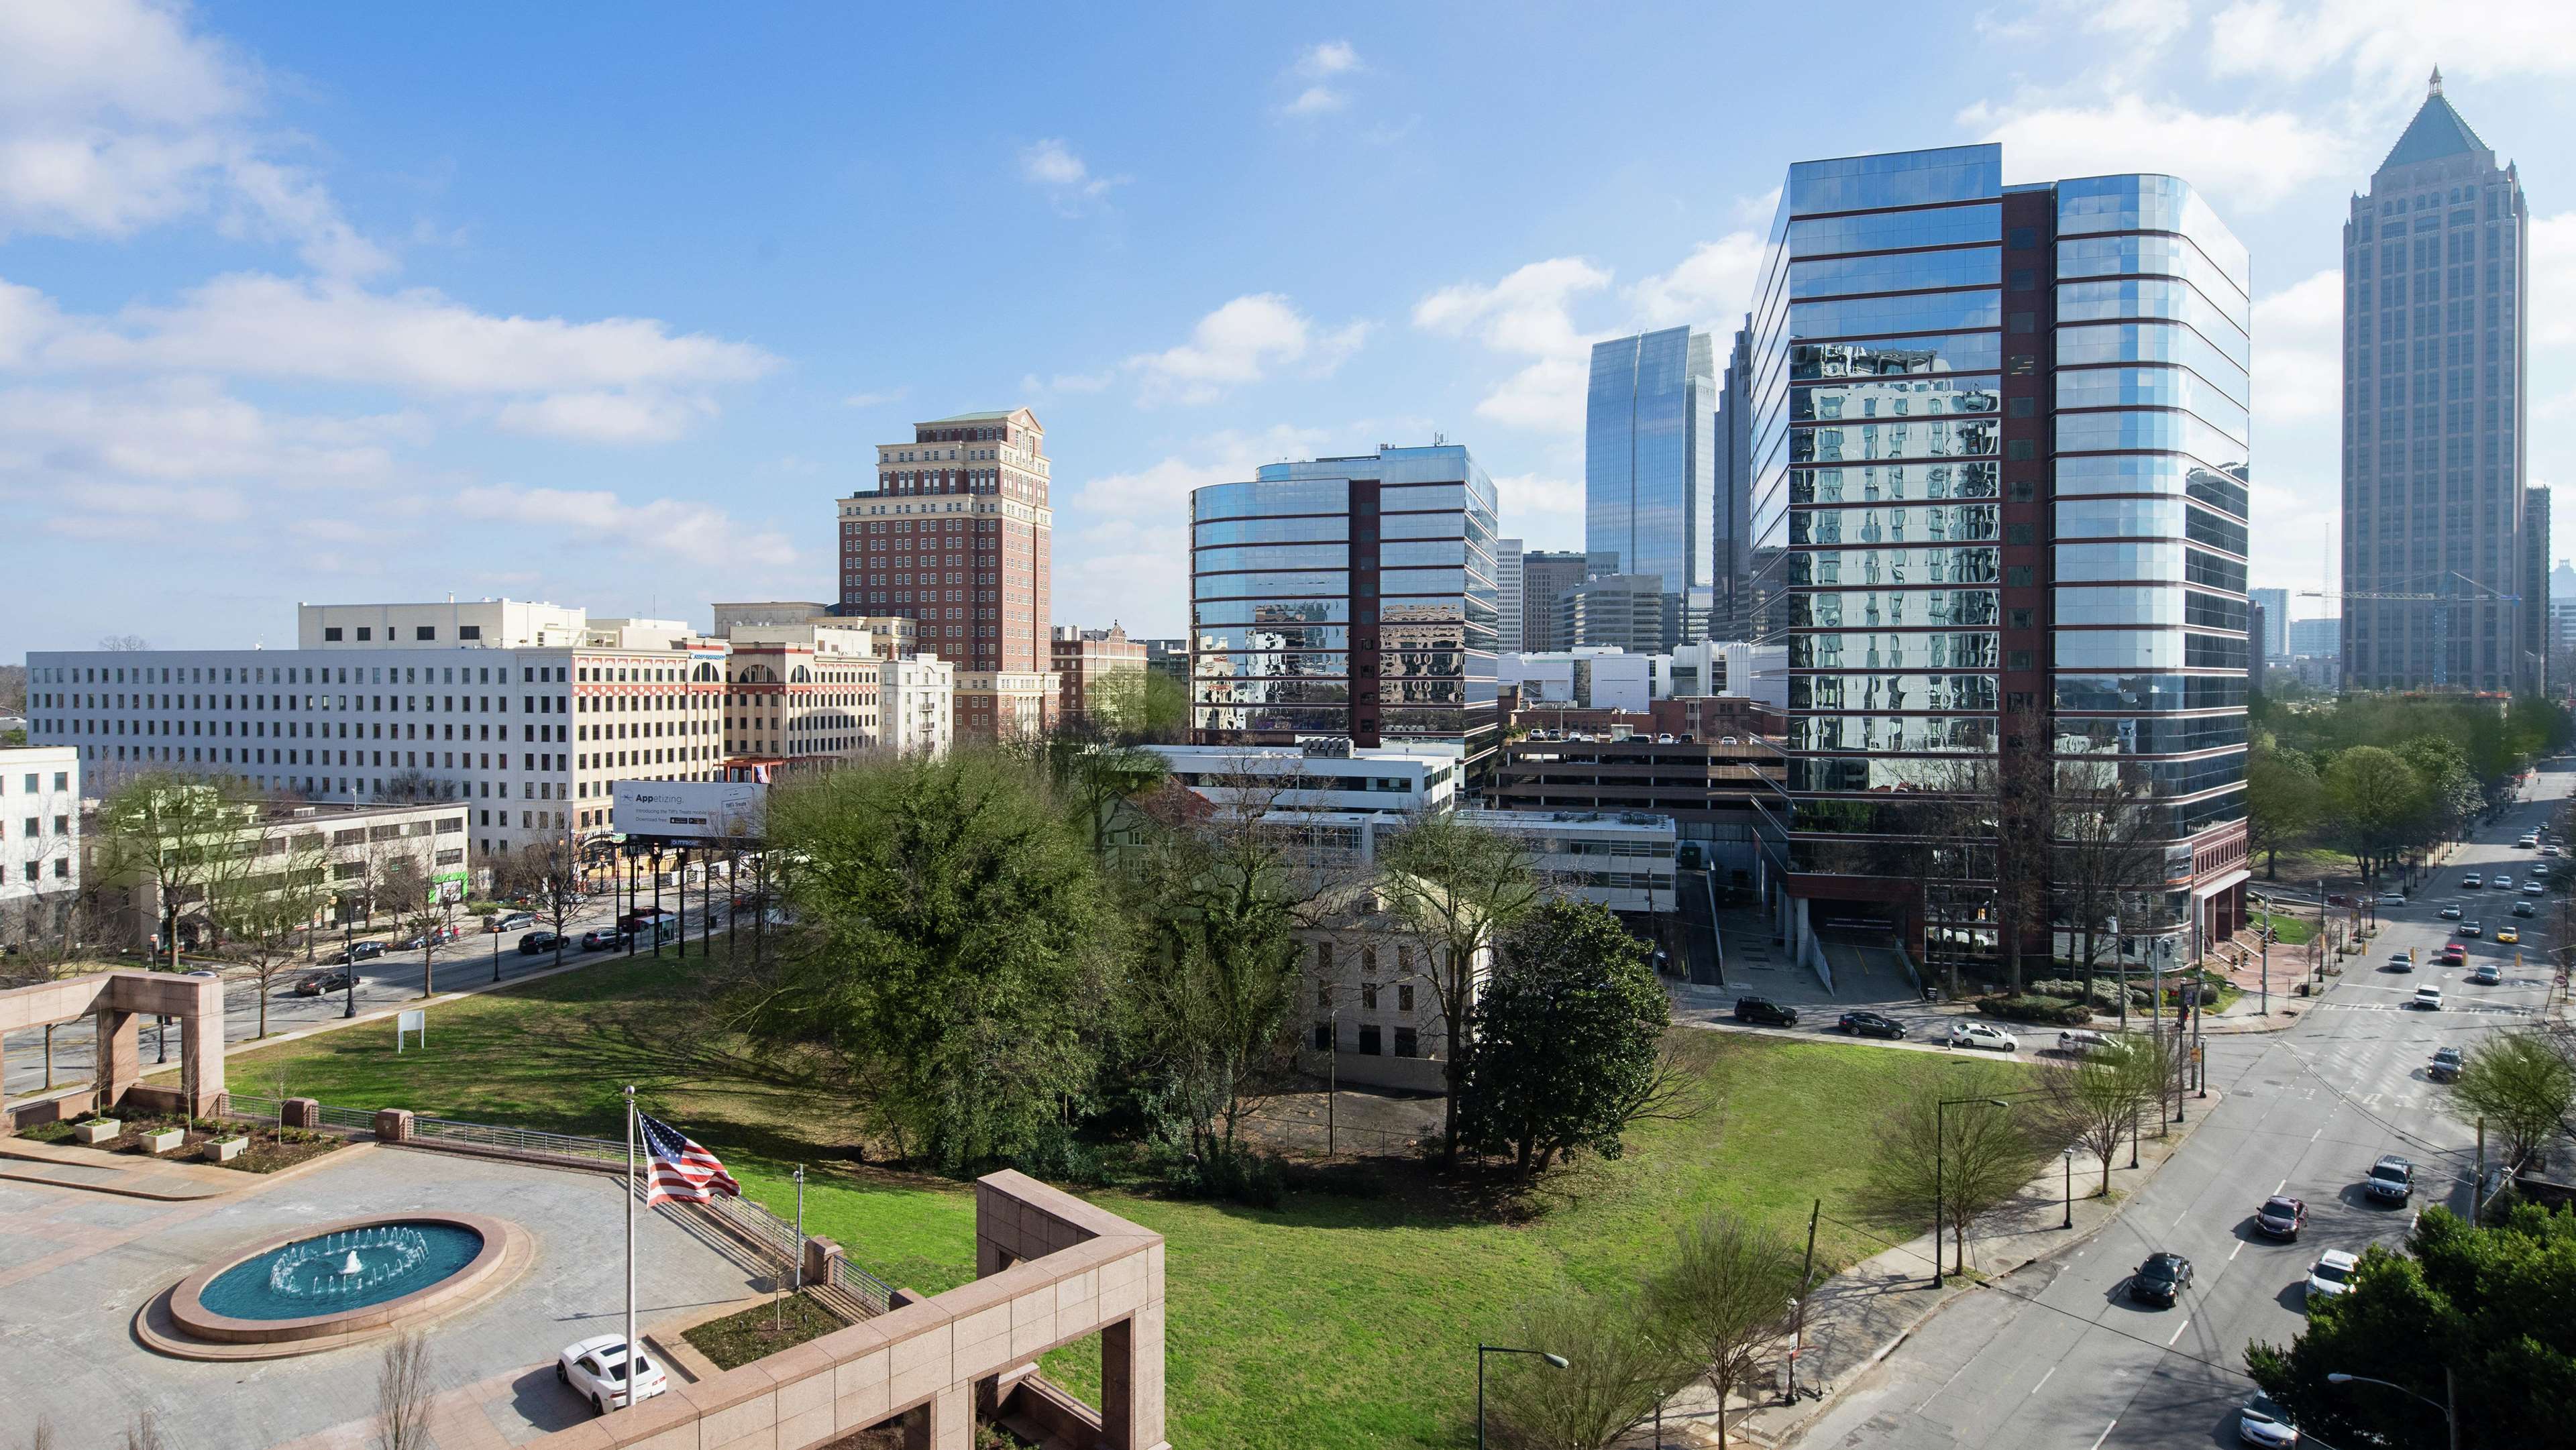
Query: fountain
327, 1285
341, 1270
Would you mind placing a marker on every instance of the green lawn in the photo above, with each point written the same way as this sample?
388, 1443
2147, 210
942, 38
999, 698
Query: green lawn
2290, 930
1334, 1321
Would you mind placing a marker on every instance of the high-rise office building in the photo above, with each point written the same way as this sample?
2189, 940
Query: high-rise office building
1347, 599
1547, 576
2005, 531
1507, 595
1649, 464
2537, 640
2435, 322
958, 534
2316, 638
2275, 636
1631, 612
1732, 608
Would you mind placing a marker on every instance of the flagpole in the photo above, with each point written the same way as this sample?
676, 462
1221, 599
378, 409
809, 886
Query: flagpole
631, 1348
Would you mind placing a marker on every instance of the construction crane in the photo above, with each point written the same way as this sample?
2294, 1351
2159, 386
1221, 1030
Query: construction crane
2441, 617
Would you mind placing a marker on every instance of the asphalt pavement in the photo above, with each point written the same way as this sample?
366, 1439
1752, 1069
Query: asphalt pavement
385, 981
2056, 1355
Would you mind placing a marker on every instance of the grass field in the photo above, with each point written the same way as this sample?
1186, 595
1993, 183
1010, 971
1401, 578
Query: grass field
1334, 1321
2291, 930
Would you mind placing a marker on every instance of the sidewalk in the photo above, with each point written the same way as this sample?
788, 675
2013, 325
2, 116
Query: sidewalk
1861, 1315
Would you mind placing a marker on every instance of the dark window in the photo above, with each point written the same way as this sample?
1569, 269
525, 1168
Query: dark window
424, 631
2022, 239
364, 632
2018, 576
2022, 364
2023, 490
1370, 1044
2024, 279
2020, 448
1406, 1045
1404, 999
2021, 533
469, 631
330, 632
2020, 660
2021, 619
1323, 1037
2022, 408
1368, 996
2021, 322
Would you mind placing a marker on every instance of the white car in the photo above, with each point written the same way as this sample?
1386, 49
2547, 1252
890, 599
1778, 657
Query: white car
595, 1368
2391, 898
2266, 1424
2428, 997
2500, 882
1978, 1034
2331, 1274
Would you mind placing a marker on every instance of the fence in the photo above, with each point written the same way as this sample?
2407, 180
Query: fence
248, 1105
1344, 1140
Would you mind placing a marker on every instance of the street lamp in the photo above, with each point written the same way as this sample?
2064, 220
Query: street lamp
348, 962
2449, 1419
1940, 1140
2070, 1187
1482, 1350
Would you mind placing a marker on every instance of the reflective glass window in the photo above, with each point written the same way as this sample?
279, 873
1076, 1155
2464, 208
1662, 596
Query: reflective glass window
1894, 524
2153, 255
1271, 636
2080, 302
1307, 496
1921, 734
1226, 586
2152, 342
1895, 438
1925, 312
1891, 608
1451, 582
2121, 518
1452, 552
2150, 204
1962, 353
2120, 604
1872, 483
1264, 613
1421, 497
2158, 387
1274, 556
1902, 178
1285, 665
1901, 396
1891, 231
2159, 430
1423, 526
2116, 562
1903, 271
1886, 692
1280, 531
2119, 649
2150, 692
2150, 473
1875, 568
1858, 650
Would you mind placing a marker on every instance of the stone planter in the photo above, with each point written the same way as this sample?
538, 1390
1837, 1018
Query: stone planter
225, 1150
98, 1132
163, 1142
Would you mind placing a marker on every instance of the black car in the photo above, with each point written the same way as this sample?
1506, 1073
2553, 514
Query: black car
1766, 1011
1869, 1024
321, 982
359, 952
2446, 1065
537, 943
2161, 1279
602, 941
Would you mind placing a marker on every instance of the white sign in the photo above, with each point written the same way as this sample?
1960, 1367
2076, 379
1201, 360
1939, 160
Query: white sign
690, 810
411, 1019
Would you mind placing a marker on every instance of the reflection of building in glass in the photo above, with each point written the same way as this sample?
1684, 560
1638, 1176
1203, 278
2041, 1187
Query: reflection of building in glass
1650, 465
2003, 536
1507, 595
1733, 608
2435, 323
1347, 598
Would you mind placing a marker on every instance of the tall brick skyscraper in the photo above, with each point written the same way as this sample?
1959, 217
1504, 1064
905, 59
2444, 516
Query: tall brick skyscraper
957, 534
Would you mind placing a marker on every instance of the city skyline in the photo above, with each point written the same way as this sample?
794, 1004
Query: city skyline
342, 320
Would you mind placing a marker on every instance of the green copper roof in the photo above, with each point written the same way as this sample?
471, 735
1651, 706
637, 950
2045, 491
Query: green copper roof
2436, 132
967, 418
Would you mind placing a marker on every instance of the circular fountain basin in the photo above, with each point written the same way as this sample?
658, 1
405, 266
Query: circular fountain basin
339, 1279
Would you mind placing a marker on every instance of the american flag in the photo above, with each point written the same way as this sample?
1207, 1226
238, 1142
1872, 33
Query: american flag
682, 1169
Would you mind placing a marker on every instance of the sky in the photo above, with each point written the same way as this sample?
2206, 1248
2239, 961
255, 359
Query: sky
605, 305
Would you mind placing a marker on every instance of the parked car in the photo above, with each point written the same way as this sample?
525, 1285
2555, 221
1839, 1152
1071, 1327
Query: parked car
595, 1369
1871, 1024
2428, 997
2262, 1423
2392, 1179
2473, 928
2549, 850
2446, 1065
2539, 872
1979, 1034
2331, 1274
2472, 882
2528, 841
538, 943
1766, 1011
2081, 1042
513, 921
2282, 1216
2161, 1279
2487, 975
358, 952
602, 941
2450, 913
321, 982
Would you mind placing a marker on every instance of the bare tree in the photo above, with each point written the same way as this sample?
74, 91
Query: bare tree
2100, 1100
260, 910
421, 911
1617, 1370
2106, 857
143, 1433
124, 643
403, 1392
1951, 1152
1455, 887
1724, 1299
546, 874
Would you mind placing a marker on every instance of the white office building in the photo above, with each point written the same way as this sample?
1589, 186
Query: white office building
40, 854
1589, 678
917, 704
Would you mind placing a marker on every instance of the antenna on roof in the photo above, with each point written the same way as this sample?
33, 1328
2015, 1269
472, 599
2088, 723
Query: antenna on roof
2436, 88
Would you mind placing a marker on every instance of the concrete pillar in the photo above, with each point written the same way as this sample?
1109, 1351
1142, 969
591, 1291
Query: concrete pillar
301, 1113
120, 1057
1131, 1381
947, 1422
201, 1052
393, 1125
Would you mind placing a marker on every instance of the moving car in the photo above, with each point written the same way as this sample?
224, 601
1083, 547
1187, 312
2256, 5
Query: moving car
2508, 935
2472, 882
597, 940
2528, 841
2539, 872
2450, 913
2282, 1216
2391, 1180
2161, 1279
2446, 1065
321, 982
1871, 1024
2331, 1274
2402, 960
1764, 1010
2428, 997
537, 943
513, 921
2487, 975
358, 952
2525, 908
2473, 928
421, 939
2500, 882
2392, 898
2533, 888
1978, 1034
2455, 955
2081, 1042
595, 1368
2266, 1424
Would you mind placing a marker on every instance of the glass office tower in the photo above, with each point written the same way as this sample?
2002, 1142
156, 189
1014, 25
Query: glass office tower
1347, 598
1999, 503
1650, 464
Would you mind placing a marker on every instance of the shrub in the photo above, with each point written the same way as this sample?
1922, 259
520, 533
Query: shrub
2036, 1009
1236, 1175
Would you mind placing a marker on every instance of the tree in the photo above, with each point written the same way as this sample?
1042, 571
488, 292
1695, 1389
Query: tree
2284, 802
2098, 1103
419, 909
1455, 886
2452, 795
124, 643
2108, 855
1141, 706
173, 832
1569, 1034
1953, 1165
546, 874
1723, 1299
956, 945
2376, 800
2488, 1305
404, 1390
2520, 1084
261, 910
1617, 1370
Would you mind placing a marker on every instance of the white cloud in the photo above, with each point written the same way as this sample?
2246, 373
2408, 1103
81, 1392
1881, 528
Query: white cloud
2253, 157
2553, 282
605, 417
1051, 166
115, 116
2140, 22
1241, 342
2298, 350
1539, 507
876, 399
63, 443
1128, 531
1315, 101
1317, 65
1528, 313
698, 532
1162, 490
2390, 45
1331, 58
1711, 286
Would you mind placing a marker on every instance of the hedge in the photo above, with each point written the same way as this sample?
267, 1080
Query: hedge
2036, 1009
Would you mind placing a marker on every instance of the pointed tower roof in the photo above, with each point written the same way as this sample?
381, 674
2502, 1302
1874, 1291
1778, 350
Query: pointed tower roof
2437, 132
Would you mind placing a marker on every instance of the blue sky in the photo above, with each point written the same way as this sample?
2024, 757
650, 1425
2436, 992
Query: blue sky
605, 305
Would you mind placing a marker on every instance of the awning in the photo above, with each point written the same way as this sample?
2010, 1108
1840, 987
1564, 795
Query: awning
2218, 884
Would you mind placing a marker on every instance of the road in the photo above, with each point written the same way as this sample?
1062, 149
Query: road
2056, 1356
384, 981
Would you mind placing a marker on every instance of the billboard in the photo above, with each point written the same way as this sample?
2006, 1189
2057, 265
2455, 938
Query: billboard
690, 810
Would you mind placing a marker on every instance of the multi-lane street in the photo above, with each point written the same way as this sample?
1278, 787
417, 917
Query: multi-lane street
384, 981
2056, 1355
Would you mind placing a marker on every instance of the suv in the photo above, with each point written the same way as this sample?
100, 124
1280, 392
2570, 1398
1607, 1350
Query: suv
512, 921
1765, 1011
2446, 1065
2392, 1180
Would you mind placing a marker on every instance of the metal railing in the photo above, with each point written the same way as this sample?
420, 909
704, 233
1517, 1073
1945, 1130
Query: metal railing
520, 1140
248, 1105
874, 1293
356, 1119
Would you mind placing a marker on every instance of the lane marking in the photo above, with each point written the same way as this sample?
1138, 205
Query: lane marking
2284, 1183
2105, 1435
2043, 1379
2232, 1253
2177, 1334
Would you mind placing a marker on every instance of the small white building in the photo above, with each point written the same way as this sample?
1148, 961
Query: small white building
40, 855
1624, 860
1590, 678
1384, 781
917, 704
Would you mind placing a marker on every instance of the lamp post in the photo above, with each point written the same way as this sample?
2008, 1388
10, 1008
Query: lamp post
496, 957
1940, 1141
2070, 1187
348, 961
1482, 1350
2444, 1404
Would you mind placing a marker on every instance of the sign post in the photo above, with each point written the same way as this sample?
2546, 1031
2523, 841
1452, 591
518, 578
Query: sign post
411, 1019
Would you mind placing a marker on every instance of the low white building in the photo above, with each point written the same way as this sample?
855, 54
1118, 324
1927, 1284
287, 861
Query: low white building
1384, 781
1625, 860
40, 836
1590, 678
